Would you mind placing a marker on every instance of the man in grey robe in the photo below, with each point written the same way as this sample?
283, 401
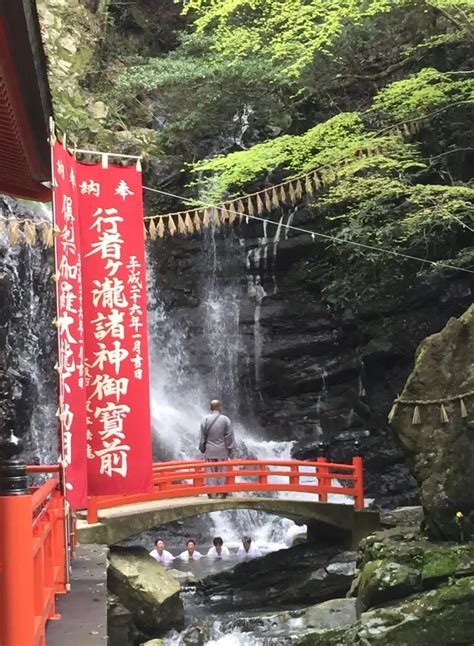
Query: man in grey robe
217, 442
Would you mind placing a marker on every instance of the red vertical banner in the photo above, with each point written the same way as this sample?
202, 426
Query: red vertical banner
70, 324
115, 330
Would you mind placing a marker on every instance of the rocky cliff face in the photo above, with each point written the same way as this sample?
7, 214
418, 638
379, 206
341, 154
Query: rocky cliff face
27, 341
306, 373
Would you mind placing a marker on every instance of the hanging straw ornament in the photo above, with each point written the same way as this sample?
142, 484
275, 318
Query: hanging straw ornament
224, 216
160, 228
308, 185
463, 408
268, 201
181, 225
260, 206
48, 237
250, 209
171, 226
416, 419
189, 223
298, 190
292, 193
197, 221
232, 212
206, 221
443, 415
29, 229
283, 195
13, 231
215, 216
392, 413
275, 201
152, 230
317, 181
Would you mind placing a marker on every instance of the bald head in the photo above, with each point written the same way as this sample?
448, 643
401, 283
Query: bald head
216, 405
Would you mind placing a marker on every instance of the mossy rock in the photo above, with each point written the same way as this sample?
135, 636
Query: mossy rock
439, 617
338, 637
445, 562
146, 589
382, 581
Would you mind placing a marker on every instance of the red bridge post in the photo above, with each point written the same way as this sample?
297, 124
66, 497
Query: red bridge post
359, 482
17, 580
323, 481
17, 590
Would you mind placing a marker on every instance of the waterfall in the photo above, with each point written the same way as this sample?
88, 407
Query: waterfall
181, 386
30, 348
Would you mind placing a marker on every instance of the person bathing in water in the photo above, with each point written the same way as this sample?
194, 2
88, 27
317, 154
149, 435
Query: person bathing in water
219, 550
248, 551
160, 554
190, 553
217, 442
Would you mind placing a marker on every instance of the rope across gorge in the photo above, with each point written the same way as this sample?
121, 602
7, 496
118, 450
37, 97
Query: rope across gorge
197, 216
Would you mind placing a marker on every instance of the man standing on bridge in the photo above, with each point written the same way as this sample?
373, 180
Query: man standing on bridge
217, 441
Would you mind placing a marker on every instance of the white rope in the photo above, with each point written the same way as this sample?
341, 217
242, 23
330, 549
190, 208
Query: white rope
313, 234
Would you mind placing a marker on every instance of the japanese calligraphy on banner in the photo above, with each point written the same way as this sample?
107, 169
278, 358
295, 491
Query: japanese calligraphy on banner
116, 352
69, 321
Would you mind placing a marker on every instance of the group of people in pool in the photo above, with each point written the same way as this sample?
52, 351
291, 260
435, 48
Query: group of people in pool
217, 551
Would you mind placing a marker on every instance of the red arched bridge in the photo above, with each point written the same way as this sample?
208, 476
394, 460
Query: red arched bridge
36, 549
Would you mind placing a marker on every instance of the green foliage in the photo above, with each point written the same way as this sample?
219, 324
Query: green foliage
421, 94
292, 32
251, 91
288, 32
196, 97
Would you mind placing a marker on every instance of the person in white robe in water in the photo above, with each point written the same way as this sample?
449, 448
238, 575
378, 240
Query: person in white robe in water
247, 550
219, 550
160, 554
190, 553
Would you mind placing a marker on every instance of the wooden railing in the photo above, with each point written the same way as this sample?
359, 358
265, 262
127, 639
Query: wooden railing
195, 477
34, 564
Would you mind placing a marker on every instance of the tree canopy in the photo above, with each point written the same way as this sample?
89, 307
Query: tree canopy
234, 95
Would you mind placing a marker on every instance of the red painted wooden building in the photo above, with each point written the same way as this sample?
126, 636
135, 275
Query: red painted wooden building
25, 103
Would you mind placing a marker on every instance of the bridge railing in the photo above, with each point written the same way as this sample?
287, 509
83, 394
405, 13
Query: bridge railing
184, 478
33, 560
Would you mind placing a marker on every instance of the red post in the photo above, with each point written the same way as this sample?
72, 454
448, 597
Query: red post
322, 472
231, 478
295, 480
358, 483
263, 479
17, 581
92, 511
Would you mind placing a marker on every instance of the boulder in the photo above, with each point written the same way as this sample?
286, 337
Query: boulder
328, 615
121, 630
440, 449
382, 581
146, 589
186, 579
441, 616
305, 573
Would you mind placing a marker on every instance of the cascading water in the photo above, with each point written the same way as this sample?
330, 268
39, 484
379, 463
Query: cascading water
181, 388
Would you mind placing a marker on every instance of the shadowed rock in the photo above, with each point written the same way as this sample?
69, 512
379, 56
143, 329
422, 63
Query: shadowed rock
440, 454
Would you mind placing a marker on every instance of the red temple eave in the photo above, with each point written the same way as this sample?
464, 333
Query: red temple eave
25, 104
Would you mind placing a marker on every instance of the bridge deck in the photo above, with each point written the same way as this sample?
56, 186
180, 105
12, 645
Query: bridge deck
117, 523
